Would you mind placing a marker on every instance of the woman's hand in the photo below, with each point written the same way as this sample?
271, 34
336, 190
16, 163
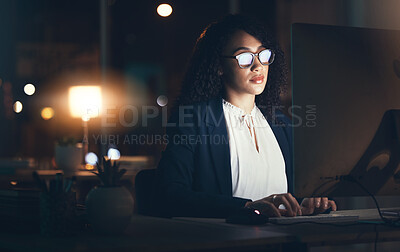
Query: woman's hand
316, 205
269, 206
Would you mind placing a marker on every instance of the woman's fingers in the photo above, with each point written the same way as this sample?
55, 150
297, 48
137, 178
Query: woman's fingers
321, 204
308, 206
281, 199
317, 202
295, 205
270, 210
265, 206
332, 204
317, 205
283, 212
290, 203
324, 203
270, 205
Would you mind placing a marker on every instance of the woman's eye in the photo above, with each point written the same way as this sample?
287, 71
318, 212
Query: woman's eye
245, 59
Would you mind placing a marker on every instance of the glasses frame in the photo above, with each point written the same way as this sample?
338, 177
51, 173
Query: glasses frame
253, 57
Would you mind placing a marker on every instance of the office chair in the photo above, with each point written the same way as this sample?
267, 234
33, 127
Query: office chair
145, 192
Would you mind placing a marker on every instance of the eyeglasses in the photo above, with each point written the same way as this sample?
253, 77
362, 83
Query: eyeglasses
246, 59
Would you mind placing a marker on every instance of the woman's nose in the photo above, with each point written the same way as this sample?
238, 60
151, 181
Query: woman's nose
257, 66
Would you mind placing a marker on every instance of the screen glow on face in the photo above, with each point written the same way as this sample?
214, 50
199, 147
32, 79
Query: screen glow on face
246, 59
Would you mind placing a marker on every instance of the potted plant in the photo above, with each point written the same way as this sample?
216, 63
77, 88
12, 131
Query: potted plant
109, 206
68, 155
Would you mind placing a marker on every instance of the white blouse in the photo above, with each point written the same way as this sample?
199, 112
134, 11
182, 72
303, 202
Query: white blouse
257, 164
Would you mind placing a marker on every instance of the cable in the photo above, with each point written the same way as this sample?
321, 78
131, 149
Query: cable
386, 220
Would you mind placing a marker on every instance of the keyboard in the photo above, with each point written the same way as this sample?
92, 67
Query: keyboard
320, 218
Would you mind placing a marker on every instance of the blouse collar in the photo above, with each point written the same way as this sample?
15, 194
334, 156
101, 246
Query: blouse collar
238, 111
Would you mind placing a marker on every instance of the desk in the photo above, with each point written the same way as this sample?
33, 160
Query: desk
304, 236
194, 234
85, 180
133, 164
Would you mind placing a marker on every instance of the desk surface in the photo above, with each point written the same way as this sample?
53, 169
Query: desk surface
26, 174
151, 234
187, 234
319, 234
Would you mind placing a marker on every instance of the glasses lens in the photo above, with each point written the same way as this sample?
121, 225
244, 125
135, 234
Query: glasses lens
245, 59
266, 57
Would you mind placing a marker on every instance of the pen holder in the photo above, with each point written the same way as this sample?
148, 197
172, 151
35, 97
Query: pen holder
58, 214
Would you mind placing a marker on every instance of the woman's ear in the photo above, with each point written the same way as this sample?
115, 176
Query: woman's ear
220, 73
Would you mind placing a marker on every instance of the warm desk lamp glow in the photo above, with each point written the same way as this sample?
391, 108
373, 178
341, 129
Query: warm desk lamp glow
85, 103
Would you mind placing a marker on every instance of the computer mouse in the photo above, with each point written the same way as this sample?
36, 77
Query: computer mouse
247, 216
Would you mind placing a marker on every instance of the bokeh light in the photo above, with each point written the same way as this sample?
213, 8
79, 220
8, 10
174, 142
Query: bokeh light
47, 113
85, 101
89, 167
29, 89
91, 158
113, 154
17, 107
164, 10
162, 100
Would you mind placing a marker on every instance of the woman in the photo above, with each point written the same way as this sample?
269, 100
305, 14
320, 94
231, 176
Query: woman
228, 146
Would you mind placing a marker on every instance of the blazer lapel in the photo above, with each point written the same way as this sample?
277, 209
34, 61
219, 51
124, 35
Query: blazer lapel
219, 144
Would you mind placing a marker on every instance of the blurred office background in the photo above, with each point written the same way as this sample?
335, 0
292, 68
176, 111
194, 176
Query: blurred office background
136, 56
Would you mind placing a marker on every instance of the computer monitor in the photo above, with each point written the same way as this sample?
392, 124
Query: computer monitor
346, 110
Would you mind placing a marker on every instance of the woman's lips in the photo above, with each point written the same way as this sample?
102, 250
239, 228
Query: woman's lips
257, 79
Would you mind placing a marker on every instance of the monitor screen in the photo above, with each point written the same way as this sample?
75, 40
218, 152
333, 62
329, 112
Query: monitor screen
346, 110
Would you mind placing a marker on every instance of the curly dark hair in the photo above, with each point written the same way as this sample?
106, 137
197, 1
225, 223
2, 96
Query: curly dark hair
202, 82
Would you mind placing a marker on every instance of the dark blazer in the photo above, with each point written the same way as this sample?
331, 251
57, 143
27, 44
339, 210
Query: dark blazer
194, 173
